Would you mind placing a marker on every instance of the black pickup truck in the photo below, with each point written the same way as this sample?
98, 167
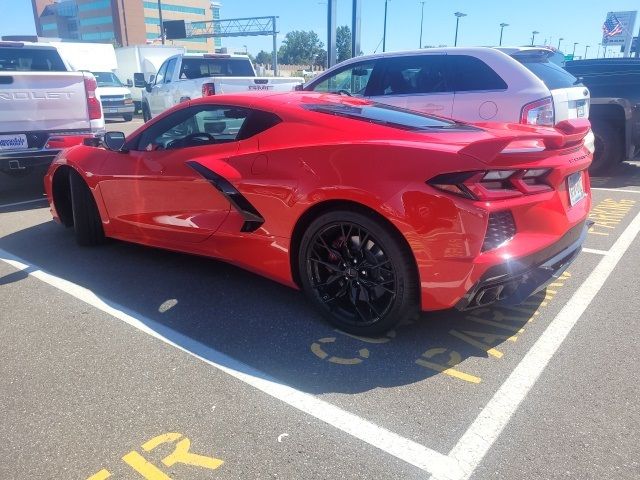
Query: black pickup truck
614, 84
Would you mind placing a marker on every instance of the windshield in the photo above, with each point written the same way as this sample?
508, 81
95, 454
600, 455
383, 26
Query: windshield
550, 73
107, 79
385, 115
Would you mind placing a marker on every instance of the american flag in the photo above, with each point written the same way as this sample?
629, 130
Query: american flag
611, 26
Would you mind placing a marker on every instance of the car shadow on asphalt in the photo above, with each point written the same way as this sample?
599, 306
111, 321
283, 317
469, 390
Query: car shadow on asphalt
622, 175
203, 304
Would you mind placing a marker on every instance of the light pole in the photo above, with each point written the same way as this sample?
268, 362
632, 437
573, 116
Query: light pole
574, 48
160, 20
533, 36
598, 54
458, 15
559, 41
502, 25
384, 32
421, 23
585, 51
245, 49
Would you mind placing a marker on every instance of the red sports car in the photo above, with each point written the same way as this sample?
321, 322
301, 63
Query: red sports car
375, 212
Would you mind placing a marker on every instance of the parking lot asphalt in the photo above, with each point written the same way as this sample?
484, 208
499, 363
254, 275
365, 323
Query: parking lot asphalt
112, 358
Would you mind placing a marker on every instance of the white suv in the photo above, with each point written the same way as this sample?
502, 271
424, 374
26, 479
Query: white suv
468, 84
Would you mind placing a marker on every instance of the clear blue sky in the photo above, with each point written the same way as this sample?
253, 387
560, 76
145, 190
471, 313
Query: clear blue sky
575, 20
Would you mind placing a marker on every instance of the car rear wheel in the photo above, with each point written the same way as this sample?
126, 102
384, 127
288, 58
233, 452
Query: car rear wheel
358, 272
86, 218
128, 117
609, 148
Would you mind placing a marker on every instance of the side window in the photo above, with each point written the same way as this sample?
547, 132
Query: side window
161, 73
171, 66
195, 126
471, 74
353, 80
414, 75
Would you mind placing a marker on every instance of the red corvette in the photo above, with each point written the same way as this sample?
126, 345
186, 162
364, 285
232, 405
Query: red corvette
375, 212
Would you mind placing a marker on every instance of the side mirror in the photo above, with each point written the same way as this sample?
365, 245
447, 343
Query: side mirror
299, 87
129, 83
151, 79
138, 80
114, 141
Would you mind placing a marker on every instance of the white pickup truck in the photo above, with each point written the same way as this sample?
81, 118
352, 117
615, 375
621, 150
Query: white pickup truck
44, 107
188, 76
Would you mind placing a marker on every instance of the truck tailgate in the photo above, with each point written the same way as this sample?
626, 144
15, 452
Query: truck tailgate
252, 84
52, 101
570, 103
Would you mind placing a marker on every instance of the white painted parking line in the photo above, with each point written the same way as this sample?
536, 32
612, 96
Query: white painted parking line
411, 452
614, 190
596, 251
480, 436
9, 205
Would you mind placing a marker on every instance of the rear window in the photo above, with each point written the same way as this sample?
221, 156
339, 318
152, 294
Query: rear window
471, 74
211, 67
385, 115
551, 74
30, 60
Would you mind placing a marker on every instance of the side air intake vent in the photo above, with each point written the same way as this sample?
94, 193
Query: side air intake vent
501, 229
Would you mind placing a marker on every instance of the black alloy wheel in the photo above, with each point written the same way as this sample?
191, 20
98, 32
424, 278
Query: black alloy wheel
359, 273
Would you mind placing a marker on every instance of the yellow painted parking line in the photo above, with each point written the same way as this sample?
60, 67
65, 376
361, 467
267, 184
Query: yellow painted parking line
475, 343
145, 468
452, 372
101, 475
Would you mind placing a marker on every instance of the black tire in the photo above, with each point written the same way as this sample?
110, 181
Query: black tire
146, 114
86, 218
128, 117
366, 282
609, 145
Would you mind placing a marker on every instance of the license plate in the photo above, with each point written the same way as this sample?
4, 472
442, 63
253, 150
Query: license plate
581, 111
110, 110
17, 141
575, 187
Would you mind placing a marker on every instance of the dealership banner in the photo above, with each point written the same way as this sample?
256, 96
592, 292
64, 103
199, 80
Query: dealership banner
617, 29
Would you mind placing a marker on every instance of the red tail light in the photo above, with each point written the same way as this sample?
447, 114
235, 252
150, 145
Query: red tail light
493, 184
208, 89
539, 112
93, 104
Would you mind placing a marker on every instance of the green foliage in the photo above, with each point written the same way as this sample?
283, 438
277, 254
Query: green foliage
343, 43
264, 58
300, 48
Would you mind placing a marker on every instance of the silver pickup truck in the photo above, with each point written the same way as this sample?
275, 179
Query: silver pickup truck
189, 76
44, 107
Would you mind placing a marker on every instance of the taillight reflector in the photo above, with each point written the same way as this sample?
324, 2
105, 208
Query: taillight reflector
208, 89
93, 104
539, 112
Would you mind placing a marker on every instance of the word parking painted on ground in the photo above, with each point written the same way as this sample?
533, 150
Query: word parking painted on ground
506, 324
608, 214
180, 455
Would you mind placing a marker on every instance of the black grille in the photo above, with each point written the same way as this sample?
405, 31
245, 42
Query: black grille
500, 229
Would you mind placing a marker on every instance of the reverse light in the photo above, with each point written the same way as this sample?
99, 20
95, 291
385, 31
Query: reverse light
208, 89
539, 112
93, 104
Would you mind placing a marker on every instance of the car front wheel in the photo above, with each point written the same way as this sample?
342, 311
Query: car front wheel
359, 272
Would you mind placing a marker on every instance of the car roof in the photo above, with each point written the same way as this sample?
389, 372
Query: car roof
21, 44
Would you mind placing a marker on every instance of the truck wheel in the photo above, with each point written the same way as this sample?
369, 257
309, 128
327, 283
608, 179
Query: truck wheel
128, 117
86, 218
146, 114
609, 147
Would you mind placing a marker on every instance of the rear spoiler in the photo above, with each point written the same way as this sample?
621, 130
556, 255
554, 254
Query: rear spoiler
532, 139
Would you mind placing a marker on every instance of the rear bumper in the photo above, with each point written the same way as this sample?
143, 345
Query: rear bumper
512, 282
22, 159
118, 111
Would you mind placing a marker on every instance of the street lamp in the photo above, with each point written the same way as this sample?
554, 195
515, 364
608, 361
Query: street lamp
598, 54
458, 15
574, 48
585, 50
533, 36
502, 25
245, 49
560, 40
421, 22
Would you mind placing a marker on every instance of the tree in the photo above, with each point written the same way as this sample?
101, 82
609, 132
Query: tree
321, 59
264, 58
300, 48
343, 43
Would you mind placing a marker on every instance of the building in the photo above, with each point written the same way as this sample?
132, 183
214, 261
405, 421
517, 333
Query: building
122, 22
